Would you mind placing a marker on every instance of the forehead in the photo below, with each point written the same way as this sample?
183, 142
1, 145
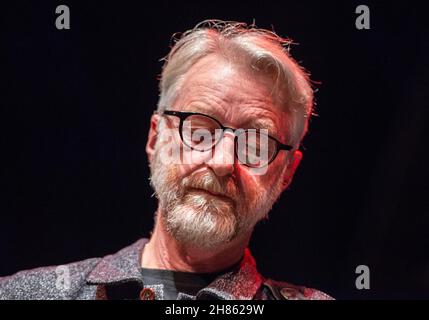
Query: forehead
229, 91
214, 75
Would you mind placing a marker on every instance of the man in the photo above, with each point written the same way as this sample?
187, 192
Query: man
222, 146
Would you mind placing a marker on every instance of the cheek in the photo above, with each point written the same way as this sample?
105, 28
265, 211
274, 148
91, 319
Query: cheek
186, 170
252, 184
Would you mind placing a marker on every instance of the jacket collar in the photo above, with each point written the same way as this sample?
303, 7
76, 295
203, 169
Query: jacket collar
241, 283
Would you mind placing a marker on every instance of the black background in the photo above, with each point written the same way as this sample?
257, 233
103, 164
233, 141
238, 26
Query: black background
75, 108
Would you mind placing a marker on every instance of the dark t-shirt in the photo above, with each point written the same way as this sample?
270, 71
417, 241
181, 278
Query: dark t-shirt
174, 282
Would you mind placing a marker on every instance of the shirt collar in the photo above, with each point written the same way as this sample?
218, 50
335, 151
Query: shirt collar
241, 283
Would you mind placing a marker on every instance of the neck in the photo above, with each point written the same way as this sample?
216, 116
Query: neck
164, 252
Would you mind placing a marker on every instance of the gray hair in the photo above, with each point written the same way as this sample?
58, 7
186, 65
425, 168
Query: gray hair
261, 50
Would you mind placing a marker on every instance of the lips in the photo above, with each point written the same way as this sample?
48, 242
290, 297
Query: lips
212, 193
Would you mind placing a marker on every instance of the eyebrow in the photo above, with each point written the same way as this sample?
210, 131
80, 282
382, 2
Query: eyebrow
252, 123
264, 123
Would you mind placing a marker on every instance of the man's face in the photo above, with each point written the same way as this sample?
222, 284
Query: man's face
211, 202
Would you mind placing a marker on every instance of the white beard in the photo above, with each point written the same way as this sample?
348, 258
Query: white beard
200, 220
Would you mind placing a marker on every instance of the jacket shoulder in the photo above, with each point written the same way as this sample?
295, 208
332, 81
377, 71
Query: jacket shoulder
46, 283
280, 290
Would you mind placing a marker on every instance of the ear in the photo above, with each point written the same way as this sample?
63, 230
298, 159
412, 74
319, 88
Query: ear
152, 136
292, 166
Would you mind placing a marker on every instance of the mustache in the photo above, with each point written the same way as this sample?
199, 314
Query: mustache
212, 183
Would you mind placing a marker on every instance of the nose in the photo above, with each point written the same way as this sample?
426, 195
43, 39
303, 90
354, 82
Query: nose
223, 157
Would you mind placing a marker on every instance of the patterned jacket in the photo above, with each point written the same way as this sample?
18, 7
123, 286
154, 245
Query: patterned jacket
118, 276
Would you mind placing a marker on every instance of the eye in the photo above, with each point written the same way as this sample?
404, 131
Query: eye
199, 132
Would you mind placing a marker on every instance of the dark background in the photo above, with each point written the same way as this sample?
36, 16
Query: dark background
75, 108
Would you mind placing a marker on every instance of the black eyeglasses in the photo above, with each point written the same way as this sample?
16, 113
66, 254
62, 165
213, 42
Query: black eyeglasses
201, 132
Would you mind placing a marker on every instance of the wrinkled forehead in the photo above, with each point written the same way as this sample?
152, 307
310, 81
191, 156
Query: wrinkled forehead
217, 72
231, 91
